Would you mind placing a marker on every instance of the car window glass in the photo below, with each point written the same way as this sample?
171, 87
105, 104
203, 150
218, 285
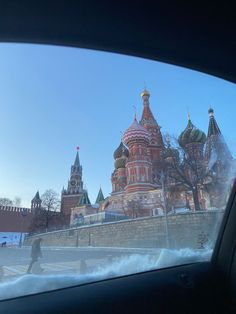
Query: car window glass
110, 165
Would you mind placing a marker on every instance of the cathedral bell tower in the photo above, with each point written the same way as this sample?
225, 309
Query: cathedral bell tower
138, 166
156, 145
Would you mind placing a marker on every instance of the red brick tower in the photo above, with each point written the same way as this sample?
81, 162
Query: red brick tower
156, 145
138, 166
36, 202
70, 197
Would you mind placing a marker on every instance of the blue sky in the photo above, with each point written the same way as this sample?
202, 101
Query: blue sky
53, 99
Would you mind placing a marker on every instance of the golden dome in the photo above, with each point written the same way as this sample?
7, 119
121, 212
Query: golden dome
145, 93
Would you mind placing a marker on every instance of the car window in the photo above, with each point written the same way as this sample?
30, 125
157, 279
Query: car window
110, 165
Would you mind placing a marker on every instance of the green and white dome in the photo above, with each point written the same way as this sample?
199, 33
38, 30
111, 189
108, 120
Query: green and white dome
191, 135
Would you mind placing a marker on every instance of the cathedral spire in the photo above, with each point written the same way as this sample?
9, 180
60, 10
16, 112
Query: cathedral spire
100, 197
149, 122
147, 116
216, 147
213, 128
84, 199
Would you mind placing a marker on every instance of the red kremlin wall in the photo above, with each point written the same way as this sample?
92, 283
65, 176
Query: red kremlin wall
15, 219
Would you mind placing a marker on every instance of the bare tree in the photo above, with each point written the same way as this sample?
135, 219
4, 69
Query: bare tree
50, 204
134, 209
17, 201
187, 170
4, 201
49, 212
50, 200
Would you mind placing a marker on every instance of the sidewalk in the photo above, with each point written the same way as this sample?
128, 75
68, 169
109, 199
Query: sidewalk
75, 267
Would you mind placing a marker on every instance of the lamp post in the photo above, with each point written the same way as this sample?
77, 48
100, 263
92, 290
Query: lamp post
23, 215
165, 208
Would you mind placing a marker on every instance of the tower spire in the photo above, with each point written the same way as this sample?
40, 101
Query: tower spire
36, 202
84, 199
77, 161
215, 144
189, 117
213, 128
149, 122
75, 183
147, 116
135, 113
100, 197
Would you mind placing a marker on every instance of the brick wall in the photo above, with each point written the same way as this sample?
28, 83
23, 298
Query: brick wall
12, 219
175, 231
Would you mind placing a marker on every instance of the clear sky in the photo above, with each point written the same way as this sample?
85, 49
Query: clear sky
53, 99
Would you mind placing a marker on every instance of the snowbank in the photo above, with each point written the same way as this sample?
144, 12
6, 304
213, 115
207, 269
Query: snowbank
30, 284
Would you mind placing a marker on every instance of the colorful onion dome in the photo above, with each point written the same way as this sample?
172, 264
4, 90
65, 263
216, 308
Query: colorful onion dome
120, 163
121, 151
136, 132
191, 135
211, 111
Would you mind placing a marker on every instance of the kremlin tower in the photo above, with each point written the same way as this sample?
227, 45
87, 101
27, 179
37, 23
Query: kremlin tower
71, 196
36, 202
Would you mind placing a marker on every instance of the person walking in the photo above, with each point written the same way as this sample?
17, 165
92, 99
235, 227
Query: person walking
35, 253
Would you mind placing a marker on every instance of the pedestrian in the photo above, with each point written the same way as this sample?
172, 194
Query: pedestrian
35, 253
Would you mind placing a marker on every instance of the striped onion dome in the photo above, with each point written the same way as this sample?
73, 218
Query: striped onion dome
191, 135
136, 132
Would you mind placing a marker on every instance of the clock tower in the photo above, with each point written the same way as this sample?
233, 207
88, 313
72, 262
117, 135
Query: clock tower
70, 197
75, 184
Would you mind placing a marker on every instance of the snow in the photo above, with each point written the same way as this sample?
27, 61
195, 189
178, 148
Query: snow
11, 238
30, 284
178, 210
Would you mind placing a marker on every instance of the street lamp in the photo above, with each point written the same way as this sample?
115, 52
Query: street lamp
23, 215
165, 208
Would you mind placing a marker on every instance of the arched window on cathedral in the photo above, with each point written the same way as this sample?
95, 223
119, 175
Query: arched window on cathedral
142, 174
132, 175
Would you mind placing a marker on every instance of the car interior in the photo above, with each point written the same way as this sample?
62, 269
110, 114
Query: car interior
196, 36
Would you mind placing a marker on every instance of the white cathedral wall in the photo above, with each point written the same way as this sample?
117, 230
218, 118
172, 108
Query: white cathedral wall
150, 200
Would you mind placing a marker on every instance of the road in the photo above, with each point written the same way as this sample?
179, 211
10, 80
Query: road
15, 261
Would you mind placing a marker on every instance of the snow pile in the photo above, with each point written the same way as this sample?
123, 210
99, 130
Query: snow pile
30, 284
11, 238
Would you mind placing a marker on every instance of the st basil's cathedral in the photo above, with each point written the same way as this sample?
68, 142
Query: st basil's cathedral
151, 176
